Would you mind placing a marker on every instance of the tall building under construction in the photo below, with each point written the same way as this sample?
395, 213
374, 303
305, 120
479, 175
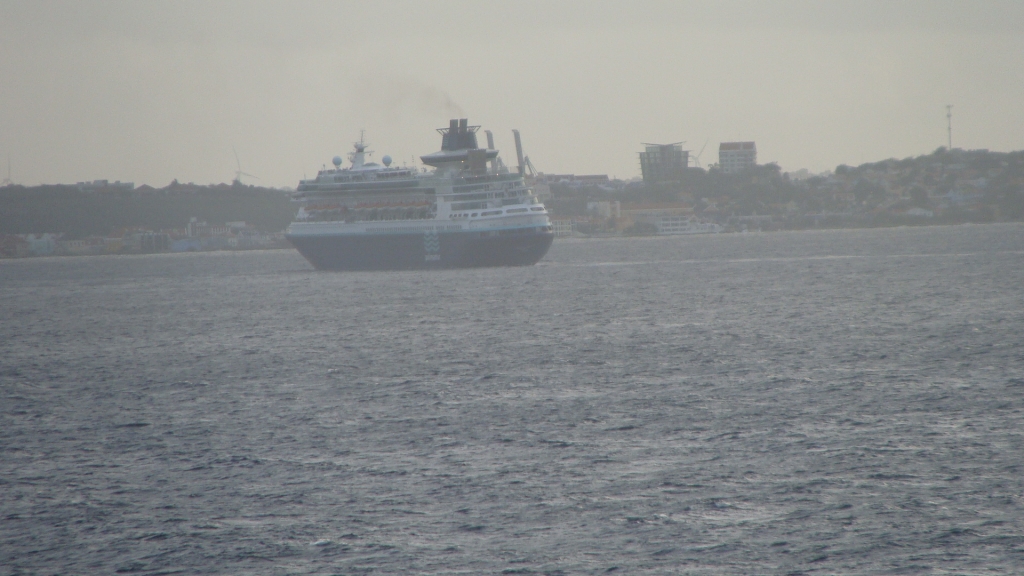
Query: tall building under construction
736, 156
664, 163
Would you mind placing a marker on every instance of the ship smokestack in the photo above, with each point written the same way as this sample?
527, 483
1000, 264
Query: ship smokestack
450, 141
519, 153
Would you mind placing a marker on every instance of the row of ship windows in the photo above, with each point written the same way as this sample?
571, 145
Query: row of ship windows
498, 212
489, 195
421, 213
510, 232
485, 205
390, 229
370, 215
508, 185
376, 176
516, 231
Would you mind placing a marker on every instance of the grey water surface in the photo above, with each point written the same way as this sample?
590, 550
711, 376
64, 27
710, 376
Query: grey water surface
789, 403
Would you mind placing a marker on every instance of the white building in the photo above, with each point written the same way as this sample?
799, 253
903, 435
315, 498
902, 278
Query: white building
605, 209
736, 156
562, 227
42, 244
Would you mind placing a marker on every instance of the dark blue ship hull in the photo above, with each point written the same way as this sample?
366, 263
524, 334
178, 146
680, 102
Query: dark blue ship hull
420, 251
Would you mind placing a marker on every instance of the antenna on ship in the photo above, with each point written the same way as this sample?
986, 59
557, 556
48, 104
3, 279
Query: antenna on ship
238, 173
361, 145
519, 152
490, 146
359, 152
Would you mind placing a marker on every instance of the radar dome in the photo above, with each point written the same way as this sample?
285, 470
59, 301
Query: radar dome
386, 160
337, 161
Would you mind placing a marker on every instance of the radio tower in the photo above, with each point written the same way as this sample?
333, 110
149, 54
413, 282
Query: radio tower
949, 125
7, 181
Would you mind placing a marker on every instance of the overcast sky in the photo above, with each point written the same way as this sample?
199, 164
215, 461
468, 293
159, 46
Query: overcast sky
153, 91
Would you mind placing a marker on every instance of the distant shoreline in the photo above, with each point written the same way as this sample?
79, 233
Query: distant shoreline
574, 238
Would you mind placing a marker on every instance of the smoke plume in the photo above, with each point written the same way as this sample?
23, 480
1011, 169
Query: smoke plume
395, 96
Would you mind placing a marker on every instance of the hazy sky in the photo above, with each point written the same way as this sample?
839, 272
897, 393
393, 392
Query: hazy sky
152, 91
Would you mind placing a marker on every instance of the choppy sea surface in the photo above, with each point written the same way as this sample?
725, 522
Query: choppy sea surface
788, 403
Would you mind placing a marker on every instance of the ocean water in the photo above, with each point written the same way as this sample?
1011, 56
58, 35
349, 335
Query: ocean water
790, 403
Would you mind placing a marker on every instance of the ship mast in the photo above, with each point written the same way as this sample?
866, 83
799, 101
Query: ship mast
358, 156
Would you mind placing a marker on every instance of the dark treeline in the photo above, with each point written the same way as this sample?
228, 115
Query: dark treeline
78, 213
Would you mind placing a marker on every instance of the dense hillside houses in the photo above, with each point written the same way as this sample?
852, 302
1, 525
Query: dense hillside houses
975, 185
947, 186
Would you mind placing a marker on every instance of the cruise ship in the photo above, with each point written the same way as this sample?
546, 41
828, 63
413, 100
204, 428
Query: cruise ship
468, 210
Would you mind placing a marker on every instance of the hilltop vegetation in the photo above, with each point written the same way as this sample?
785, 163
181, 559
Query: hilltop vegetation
78, 213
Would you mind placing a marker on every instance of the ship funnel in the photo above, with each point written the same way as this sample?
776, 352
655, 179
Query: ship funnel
459, 135
519, 153
450, 140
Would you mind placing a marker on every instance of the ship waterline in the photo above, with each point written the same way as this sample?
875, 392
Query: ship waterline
425, 250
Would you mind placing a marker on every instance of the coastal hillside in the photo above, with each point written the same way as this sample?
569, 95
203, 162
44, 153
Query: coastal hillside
944, 187
79, 212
